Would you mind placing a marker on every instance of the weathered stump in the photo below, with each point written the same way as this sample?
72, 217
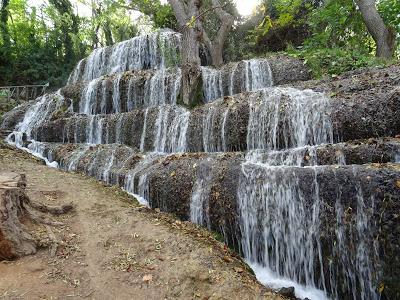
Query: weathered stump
15, 240
16, 212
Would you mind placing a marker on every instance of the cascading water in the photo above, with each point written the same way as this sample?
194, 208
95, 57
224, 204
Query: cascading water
140, 190
170, 129
160, 88
245, 76
279, 219
200, 194
142, 52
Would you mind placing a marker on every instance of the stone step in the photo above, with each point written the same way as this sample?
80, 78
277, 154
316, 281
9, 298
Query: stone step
124, 92
223, 125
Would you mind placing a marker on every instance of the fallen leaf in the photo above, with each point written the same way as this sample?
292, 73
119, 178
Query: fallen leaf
398, 183
238, 270
227, 259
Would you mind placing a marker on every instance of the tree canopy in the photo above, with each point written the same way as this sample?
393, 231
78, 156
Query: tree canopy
41, 44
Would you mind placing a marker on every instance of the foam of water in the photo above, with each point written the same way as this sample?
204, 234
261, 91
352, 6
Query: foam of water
270, 279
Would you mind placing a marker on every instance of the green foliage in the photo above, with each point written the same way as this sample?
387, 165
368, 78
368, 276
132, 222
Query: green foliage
335, 61
171, 56
340, 41
42, 44
164, 17
335, 37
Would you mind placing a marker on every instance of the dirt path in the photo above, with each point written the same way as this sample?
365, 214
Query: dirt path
111, 248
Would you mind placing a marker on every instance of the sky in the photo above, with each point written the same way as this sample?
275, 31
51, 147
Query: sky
245, 7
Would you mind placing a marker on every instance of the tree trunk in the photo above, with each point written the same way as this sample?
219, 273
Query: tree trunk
384, 37
107, 33
216, 46
191, 70
4, 26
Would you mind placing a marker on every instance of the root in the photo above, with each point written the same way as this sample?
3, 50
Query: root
15, 209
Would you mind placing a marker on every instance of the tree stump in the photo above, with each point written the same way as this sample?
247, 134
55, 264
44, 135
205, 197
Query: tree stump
15, 240
16, 211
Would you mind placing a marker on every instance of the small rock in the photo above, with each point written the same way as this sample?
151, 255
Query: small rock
287, 292
238, 270
147, 278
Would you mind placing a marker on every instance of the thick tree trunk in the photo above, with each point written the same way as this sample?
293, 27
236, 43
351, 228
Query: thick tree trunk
191, 70
384, 37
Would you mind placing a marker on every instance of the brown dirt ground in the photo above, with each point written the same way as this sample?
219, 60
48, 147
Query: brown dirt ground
111, 248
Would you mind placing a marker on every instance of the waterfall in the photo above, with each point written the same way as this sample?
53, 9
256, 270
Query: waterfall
170, 129
212, 84
258, 75
303, 121
89, 96
94, 134
142, 52
140, 190
106, 173
280, 217
143, 136
117, 94
214, 135
245, 76
278, 190
200, 194
36, 115
161, 87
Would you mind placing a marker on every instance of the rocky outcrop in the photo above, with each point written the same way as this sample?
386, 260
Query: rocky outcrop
13, 117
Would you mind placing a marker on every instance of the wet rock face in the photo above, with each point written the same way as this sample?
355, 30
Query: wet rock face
287, 70
13, 117
367, 114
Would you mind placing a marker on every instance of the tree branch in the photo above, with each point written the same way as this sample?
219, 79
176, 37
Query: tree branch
180, 12
201, 15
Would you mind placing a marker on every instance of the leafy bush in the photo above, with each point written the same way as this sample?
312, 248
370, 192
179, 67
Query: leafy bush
335, 61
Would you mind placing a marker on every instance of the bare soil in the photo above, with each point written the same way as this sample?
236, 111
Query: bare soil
112, 248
